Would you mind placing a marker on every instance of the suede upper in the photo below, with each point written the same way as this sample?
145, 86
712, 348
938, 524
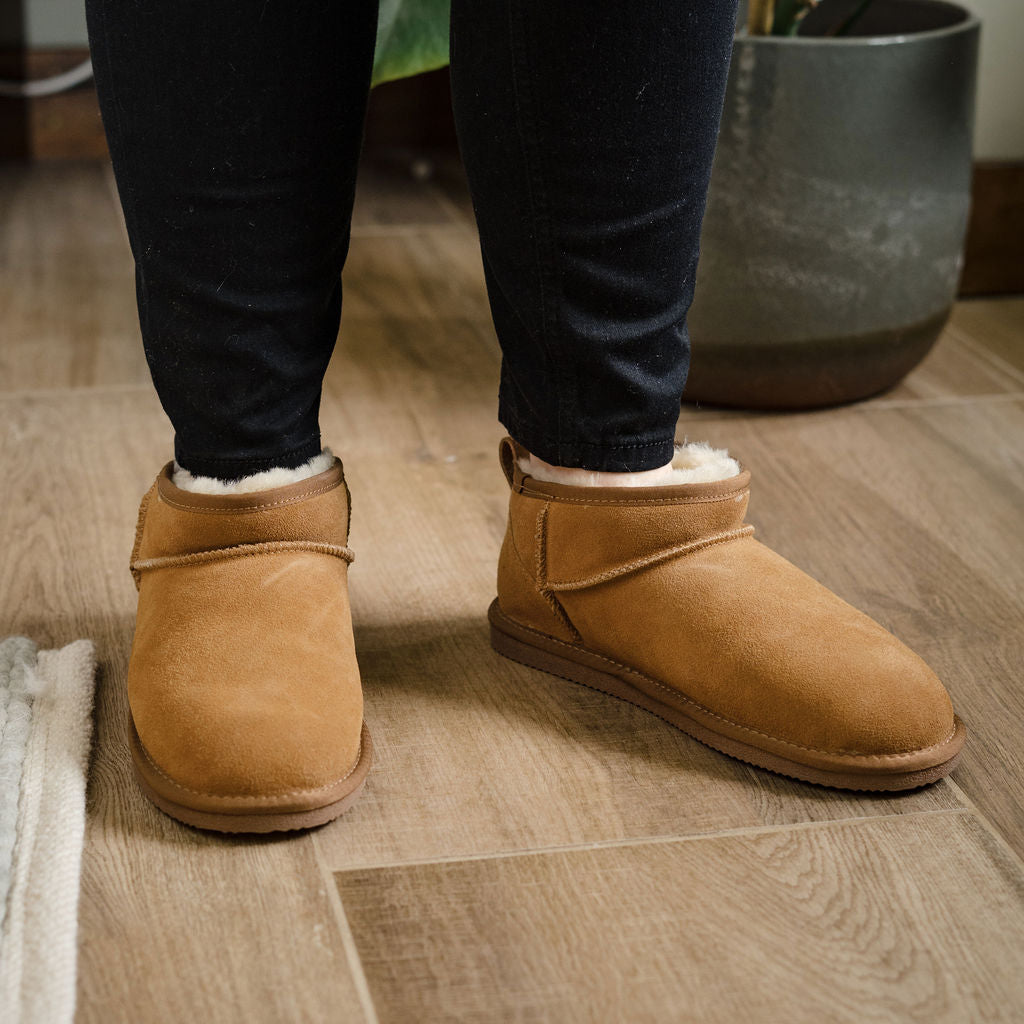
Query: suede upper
669, 582
243, 683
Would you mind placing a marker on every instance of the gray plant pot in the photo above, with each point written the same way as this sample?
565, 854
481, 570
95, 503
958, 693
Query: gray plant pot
833, 238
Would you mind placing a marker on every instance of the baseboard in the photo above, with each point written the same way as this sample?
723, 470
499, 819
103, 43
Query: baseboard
994, 252
60, 127
416, 112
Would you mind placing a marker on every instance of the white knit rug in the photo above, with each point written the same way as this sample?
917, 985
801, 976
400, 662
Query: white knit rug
45, 731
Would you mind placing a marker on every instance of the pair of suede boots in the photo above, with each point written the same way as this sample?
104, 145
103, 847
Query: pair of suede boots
245, 697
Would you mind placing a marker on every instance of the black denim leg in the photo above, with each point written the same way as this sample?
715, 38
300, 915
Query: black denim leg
588, 131
234, 128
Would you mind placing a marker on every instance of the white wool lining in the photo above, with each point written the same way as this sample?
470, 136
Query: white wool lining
694, 462
263, 481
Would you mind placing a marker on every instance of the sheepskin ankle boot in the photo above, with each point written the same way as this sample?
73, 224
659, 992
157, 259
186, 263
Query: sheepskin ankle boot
661, 596
246, 704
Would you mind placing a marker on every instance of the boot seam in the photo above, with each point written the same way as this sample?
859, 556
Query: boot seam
140, 525
269, 547
541, 541
247, 796
250, 460
634, 502
666, 554
898, 755
531, 578
262, 506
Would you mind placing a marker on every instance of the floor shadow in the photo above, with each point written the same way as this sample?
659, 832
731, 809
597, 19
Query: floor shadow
425, 667
452, 660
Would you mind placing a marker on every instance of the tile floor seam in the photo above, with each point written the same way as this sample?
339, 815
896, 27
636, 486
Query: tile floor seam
885, 405
691, 414
985, 357
348, 941
607, 844
76, 390
987, 824
409, 228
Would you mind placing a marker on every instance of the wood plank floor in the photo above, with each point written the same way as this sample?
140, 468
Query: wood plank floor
861, 921
525, 850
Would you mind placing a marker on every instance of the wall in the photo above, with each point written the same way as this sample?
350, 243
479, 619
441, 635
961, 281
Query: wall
999, 130
42, 23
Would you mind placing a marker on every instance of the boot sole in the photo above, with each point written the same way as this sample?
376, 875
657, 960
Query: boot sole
578, 665
254, 821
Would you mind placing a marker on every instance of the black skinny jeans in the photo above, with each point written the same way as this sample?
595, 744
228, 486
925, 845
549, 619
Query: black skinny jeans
587, 129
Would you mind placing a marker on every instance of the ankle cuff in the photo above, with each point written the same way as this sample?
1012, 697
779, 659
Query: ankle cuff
695, 462
265, 480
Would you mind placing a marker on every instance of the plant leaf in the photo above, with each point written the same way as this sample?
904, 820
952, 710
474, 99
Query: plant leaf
412, 36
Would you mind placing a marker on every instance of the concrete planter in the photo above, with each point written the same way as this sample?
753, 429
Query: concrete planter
833, 237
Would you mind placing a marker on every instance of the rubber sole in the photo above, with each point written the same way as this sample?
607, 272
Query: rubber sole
260, 821
530, 647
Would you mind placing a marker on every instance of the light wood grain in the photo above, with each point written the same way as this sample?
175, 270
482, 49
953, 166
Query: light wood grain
175, 924
399, 387
919, 918
908, 506
913, 514
994, 330
420, 275
476, 754
67, 283
180, 926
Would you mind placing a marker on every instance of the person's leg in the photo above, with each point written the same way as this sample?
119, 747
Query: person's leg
588, 132
235, 129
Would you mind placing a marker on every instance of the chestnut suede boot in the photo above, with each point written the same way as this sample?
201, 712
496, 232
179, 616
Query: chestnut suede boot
661, 596
246, 704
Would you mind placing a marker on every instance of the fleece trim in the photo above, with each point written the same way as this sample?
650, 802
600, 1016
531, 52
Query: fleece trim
263, 481
694, 462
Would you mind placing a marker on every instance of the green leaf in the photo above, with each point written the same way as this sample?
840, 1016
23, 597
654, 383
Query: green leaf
412, 36
787, 16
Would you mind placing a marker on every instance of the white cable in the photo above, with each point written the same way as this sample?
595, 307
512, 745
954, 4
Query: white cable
48, 86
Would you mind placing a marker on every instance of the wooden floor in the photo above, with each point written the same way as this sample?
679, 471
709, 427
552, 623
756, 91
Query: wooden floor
525, 850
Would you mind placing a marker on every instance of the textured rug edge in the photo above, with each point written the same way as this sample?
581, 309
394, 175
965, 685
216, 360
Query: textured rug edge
39, 941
